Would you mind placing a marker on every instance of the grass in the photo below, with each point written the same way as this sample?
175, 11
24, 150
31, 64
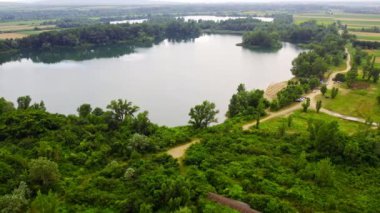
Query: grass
19, 29
356, 102
300, 123
11, 36
367, 36
353, 21
377, 54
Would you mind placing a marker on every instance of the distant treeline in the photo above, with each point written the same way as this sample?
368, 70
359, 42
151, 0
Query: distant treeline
97, 35
366, 44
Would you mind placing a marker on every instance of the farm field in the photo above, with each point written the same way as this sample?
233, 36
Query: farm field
12, 35
375, 53
366, 36
19, 29
353, 21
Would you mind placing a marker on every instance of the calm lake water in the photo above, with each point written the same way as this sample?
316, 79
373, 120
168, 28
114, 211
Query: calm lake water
166, 79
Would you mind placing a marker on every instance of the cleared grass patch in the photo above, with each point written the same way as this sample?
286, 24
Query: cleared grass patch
301, 119
357, 102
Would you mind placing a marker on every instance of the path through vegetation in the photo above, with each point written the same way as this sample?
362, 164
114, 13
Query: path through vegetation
329, 83
179, 151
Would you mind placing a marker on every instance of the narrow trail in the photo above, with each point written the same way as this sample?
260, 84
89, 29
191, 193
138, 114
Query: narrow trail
179, 151
312, 95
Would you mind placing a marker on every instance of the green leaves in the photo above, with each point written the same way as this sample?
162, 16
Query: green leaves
203, 115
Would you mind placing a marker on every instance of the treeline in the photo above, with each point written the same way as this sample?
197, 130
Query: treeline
134, 35
366, 44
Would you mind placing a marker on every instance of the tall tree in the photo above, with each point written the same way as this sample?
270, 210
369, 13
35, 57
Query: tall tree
318, 106
122, 109
203, 115
306, 104
43, 172
84, 110
23, 102
323, 89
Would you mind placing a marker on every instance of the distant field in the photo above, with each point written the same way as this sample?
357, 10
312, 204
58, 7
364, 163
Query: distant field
19, 29
12, 35
375, 53
367, 36
353, 21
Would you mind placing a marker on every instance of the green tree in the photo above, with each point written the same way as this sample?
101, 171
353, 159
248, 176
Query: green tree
351, 76
39, 106
326, 137
306, 105
98, 111
261, 39
290, 120
246, 102
325, 173
17, 202
141, 143
334, 92
43, 172
142, 125
23, 102
203, 115
122, 109
319, 106
258, 117
5, 106
84, 110
309, 64
323, 89
45, 203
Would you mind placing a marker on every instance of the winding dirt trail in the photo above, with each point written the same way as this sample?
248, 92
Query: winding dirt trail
179, 151
329, 83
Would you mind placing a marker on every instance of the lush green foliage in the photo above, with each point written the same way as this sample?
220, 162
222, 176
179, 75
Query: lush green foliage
203, 115
98, 35
261, 39
317, 169
247, 102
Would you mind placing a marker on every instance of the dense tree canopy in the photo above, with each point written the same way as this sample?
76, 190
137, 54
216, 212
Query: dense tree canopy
261, 39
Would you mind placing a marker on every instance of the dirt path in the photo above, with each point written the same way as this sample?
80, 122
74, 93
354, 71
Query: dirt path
312, 96
179, 151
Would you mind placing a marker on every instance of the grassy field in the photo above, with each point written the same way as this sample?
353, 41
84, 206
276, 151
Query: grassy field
377, 54
353, 21
367, 36
19, 29
356, 102
12, 35
300, 122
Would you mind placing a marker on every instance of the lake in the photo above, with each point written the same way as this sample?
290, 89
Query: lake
166, 79
194, 18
